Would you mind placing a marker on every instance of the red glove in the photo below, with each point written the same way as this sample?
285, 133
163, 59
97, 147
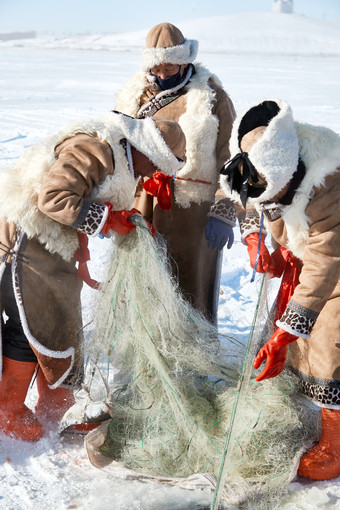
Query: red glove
118, 221
275, 352
264, 261
278, 262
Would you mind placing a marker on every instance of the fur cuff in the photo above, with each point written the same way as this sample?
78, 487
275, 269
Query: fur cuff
225, 211
250, 224
298, 320
91, 219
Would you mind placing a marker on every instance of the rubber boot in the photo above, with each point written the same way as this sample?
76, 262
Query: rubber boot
52, 404
16, 419
322, 462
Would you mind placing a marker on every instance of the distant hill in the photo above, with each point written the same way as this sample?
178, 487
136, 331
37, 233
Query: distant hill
14, 36
268, 33
236, 34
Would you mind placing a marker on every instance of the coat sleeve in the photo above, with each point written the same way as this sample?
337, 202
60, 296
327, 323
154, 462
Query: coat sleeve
82, 162
321, 261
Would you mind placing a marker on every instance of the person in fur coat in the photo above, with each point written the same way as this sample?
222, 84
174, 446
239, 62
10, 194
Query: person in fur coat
170, 85
79, 182
289, 171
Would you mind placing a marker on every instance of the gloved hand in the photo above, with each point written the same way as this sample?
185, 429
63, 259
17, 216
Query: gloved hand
264, 261
218, 233
275, 352
118, 221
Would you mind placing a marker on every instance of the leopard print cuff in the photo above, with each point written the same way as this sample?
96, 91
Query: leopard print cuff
273, 214
223, 210
250, 224
298, 320
91, 218
323, 392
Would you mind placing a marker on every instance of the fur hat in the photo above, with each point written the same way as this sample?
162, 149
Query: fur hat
165, 44
172, 134
264, 149
160, 139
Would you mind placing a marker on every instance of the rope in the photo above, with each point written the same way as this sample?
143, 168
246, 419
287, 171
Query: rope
244, 379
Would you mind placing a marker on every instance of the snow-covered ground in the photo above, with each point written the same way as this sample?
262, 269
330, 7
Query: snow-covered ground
44, 83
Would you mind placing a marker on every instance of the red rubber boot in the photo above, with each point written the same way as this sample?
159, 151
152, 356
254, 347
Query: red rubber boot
322, 462
52, 404
16, 419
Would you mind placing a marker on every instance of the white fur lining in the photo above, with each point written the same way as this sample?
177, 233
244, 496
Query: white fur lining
182, 54
320, 151
290, 330
200, 128
23, 180
275, 155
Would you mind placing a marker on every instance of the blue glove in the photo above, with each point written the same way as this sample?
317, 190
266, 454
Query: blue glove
218, 233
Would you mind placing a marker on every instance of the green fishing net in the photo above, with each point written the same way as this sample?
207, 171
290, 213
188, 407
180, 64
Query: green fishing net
183, 397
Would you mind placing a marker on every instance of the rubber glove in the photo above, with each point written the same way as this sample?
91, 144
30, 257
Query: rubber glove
218, 233
118, 221
274, 352
279, 261
264, 261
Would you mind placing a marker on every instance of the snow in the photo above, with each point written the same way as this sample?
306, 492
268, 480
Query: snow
44, 83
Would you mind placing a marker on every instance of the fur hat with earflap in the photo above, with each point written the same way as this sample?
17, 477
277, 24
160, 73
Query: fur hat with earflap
264, 149
161, 140
165, 44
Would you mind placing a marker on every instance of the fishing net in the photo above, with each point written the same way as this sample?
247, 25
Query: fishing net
180, 388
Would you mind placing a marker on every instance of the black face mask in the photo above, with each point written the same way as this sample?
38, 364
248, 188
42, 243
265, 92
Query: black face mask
171, 82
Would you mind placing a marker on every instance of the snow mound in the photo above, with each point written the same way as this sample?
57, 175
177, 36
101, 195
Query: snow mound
264, 33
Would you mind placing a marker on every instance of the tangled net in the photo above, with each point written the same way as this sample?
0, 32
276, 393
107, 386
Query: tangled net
177, 379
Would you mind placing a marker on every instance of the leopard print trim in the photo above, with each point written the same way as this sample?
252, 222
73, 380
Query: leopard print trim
273, 214
298, 320
250, 224
91, 218
325, 392
223, 210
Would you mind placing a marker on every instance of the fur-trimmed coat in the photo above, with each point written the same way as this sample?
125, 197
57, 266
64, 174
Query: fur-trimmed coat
57, 189
310, 228
205, 114
38, 241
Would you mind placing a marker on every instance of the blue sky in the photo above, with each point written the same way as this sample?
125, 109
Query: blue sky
83, 16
